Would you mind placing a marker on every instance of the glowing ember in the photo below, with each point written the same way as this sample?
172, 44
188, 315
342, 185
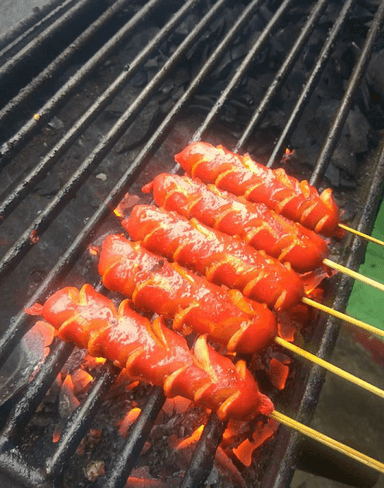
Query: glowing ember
40, 336
125, 205
56, 435
34, 237
312, 279
140, 477
93, 250
236, 429
68, 383
263, 432
45, 331
177, 404
127, 421
289, 153
133, 385
244, 452
290, 321
278, 373
118, 213
169, 406
134, 482
192, 439
91, 362
68, 401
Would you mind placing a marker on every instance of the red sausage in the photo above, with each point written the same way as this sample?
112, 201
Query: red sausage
151, 351
224, 260
241, 175
260, 227
189, 300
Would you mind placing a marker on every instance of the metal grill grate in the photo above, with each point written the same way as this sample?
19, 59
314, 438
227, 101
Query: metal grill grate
285, 447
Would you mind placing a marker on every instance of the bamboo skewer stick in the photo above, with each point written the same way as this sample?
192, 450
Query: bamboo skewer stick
328, 441
343, 316
330, 367
354, 274
361, 234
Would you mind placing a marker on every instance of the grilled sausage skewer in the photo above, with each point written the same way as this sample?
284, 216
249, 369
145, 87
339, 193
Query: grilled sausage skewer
192, 303
157, 354
240, 175
229, 318
224, 260
260, 227
294, 199
284, 194
151, 351
153, 284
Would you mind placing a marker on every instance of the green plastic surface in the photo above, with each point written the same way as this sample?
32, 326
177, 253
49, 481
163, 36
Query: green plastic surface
367, 303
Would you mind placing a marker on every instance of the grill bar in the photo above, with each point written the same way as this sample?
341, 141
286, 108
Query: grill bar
80, 421
36, 390
289, 443
204, 454
18, 141
345, 105
12, 465
12, 334
60, 62
160, 133
249, 58
78, 9
309, 86
207, 446
126, 460
283, 72
18, 35
40, 224
41, 169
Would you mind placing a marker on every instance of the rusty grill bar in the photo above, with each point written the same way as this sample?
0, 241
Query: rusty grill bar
286, 452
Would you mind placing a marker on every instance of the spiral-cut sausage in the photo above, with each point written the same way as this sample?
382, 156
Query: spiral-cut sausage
260, 227
241, 175
224, 260
192, 302
151, 351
